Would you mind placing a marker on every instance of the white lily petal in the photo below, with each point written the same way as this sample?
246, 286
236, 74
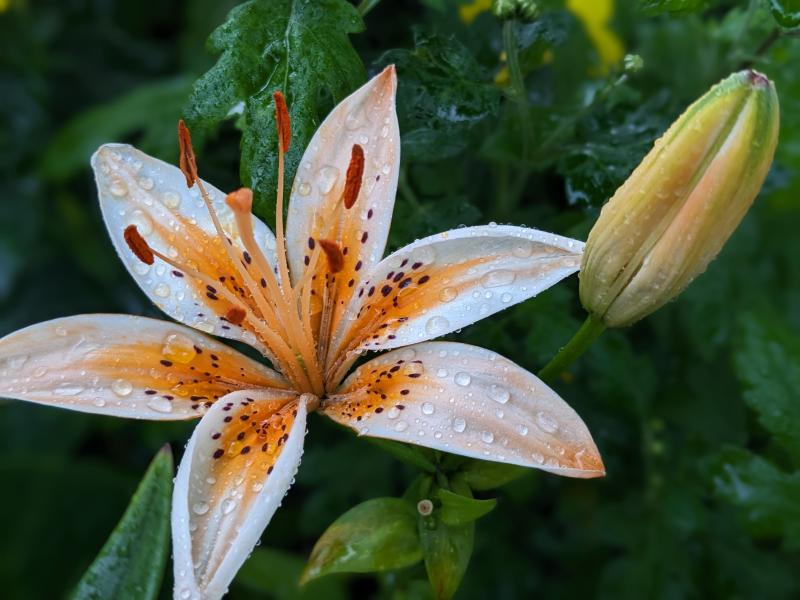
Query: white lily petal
124, 366
466, 400
137, 189
444, 282
237, 467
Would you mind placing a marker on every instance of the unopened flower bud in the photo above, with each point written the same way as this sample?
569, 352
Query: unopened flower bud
524, 10
677, 209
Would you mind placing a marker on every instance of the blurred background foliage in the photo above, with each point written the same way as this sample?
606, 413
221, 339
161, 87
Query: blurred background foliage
696, 410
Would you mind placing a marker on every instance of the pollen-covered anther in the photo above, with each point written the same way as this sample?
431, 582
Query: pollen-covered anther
187, 161
333, 251
241, 200
283, 122
138, 245
355, 176
236, 315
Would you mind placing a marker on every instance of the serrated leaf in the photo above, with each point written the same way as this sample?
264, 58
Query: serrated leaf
459, 510
151, 109
442, 95
447, 550
768, 363
786, 12
131, 564
766, 495
376, 535
485, 475
300, 47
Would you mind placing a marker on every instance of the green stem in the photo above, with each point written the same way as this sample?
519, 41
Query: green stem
590, 330
367, 5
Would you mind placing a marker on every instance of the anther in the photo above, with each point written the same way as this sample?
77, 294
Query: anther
236, 315
187, 161
137, 245
241, 200
283, 122
355, 175
334, 254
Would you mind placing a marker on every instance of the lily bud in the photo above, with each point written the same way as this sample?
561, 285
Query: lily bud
677, 209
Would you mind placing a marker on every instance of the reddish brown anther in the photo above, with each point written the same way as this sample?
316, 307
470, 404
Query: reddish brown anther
355, 176
283, 122
137, 245
187, 161
334, 254
241, 200
236, 315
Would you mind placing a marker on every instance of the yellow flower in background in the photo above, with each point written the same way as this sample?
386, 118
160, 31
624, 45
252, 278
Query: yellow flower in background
469, 12
596, 16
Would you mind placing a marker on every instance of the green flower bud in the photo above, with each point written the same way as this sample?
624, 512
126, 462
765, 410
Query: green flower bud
677, 209
524, 10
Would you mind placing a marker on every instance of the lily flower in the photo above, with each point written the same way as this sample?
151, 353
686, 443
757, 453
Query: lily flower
311, 299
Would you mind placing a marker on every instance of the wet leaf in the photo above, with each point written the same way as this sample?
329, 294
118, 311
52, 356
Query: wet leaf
132, 562
299, 47
459, 510
377, 535
447, 550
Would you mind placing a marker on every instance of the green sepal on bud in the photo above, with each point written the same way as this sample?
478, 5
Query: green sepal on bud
677, 209
522, 10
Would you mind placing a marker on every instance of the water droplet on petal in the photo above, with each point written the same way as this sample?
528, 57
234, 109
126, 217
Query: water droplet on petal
161, 405
428, 408
143, 223
393, 412
171, 199
522, 249
326, 177
448, 294
162, 290
200, 508
437, 325
463, 379
487, 437
497, 278
228, 505
118, 188
99, 402
459, 425
68, 389
304, 189
546, 422
499, 394
400, 426
178, 347
522, 429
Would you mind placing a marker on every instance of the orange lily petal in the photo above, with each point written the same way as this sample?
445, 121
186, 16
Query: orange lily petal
447, 281
124, 366
469, 401
136, 189
237, 467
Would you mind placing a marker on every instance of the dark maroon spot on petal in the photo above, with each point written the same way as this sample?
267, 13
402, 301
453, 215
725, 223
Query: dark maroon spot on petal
423, 279
416, 265
218, 453
166, 363
364, 237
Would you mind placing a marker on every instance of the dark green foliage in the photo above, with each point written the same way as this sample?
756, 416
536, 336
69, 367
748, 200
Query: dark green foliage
298, 47
696, 409
132, 562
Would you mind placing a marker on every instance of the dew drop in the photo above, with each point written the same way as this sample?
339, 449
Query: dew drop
522, 249
546, 422
146, 183
200, 508
161, 290
487, 437
186, 593
463, 379
437, 325
205, 326
400, 426
178, 348
326, 177
161, 405
448, 294
99, 402
522, 429
506, 298
497, 278
68, 389
257, 487
459, 425
171, 199
121, 387
499, 394
118, 188
304, 189
538, 457
428, 408
441, 372
393, 412
15, 363
228, 505
143, 223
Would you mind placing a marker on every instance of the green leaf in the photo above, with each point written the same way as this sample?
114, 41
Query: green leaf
460, 510
654, 7
131, 564
768, 363
412, 455
786, 12
486, 475
443, 93
300, 47
152, 111
278, 573
447, 550
766, 495
377, 535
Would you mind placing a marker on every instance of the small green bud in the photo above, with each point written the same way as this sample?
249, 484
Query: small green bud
632, 63
523, 10
677, 209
